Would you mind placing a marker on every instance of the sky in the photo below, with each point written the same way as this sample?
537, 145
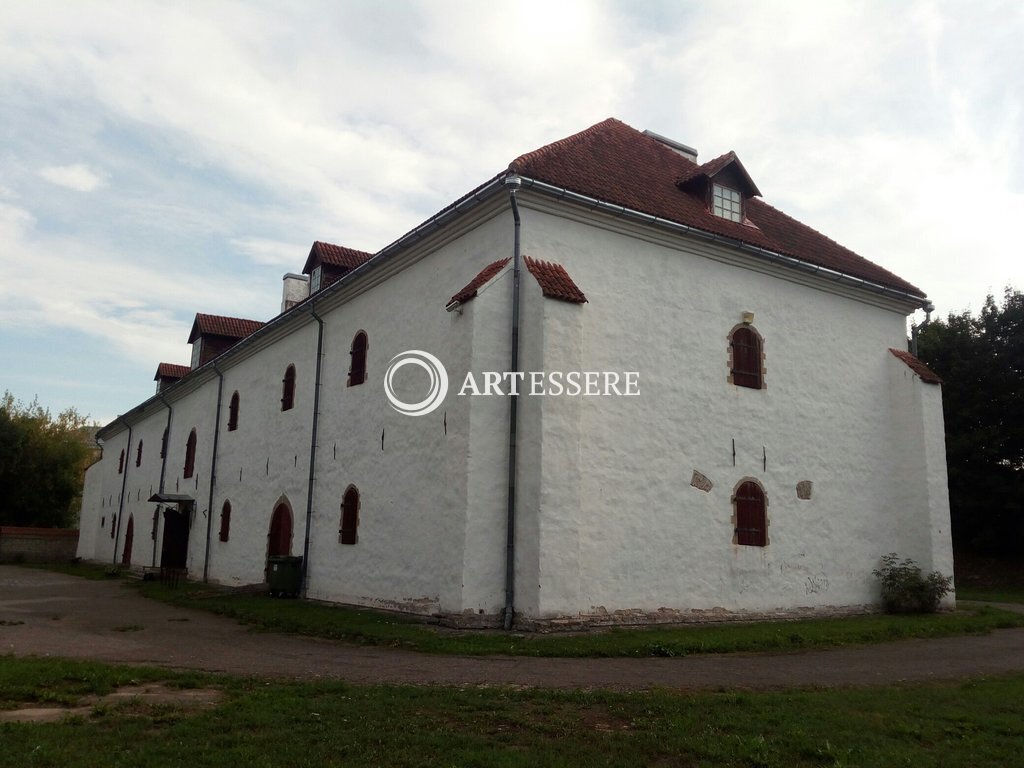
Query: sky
159, 159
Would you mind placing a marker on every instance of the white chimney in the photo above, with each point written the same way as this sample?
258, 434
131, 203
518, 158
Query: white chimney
688, 152
296, 289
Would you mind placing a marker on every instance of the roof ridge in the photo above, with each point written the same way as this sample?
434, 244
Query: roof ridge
341, 247
926, 374
230, 317
568, 141
484, 276
702, 168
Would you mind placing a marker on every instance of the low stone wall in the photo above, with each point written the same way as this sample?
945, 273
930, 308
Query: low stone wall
637, 618
37, 545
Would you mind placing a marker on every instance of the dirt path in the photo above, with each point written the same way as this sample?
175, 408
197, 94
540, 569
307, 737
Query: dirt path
49, 614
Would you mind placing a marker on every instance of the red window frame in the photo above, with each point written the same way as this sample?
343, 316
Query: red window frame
233, 412
357, 364
190, 454
349, 516
225, 521
288, 389
751, 507
746, 358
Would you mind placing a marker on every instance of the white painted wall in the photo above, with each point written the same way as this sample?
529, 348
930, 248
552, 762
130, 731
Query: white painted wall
101, 499
606, 518
415, 551
643, 538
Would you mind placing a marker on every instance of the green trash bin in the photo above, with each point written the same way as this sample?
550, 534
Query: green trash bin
284, 575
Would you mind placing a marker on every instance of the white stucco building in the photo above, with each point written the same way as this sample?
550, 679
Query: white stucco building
753, 436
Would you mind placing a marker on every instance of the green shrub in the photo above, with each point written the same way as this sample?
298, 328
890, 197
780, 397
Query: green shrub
906, 590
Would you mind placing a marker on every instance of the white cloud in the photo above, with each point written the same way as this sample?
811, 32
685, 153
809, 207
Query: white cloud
132, 309
78, 177
272, 253
239, 132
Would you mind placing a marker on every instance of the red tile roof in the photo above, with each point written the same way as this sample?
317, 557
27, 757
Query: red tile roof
554, 281
335, 256
484, 276
617, 164
171, 371
927, 374
218, 325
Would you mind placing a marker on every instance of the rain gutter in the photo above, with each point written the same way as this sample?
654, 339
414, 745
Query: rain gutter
312, 445
213, 473
513, 184
165, 443
591, 203
124, 485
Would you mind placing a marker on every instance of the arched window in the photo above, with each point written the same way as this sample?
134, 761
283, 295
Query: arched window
349, 516
138, 455
225, 520
357, 367
233, 413
288, 389
746, 364
163, 444
750, 514
190, 454
120, 463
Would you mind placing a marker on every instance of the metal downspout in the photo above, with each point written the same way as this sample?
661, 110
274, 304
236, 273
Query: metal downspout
915, 329
312, 448
165, 443
124, 484
213, 474
513, 183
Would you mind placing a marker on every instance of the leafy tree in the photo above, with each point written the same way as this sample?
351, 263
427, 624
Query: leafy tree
42, 460
981, 362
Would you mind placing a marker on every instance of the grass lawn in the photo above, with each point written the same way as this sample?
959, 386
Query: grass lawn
388, 629
259, 723
991, 594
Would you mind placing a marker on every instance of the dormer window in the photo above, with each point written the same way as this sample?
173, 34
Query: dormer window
723, 185
726, 202
328, 263
197, 348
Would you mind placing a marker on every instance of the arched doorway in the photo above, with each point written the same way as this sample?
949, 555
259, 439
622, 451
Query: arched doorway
279, 538
129, 534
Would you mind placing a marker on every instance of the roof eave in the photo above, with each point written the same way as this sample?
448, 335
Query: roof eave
591, 203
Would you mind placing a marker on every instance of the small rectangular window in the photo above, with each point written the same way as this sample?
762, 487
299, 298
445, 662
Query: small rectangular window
315, 279
726, 203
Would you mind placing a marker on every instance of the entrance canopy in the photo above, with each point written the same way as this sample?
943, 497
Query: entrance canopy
171, 498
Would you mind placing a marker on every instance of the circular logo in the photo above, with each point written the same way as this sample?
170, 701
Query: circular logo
438, 382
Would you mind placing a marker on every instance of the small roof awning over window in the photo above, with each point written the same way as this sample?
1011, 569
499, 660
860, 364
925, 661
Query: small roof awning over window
171, 498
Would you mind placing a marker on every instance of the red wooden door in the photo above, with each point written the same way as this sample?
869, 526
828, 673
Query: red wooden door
280, 536
129, 535
751, 522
